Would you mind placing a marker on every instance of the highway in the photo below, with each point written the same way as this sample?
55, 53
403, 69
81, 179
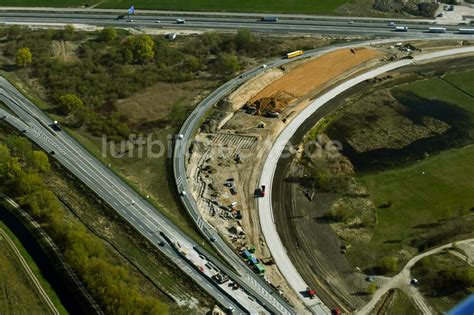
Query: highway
304, 25
180, 157
137, 211
148, 221
267, 222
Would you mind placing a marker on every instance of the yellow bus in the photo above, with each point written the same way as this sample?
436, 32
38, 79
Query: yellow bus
294, 54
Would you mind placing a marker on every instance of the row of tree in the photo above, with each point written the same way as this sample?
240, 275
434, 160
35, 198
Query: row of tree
442, 279
22, 173
112, 65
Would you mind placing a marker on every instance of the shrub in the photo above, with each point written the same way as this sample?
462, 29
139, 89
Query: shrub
23, 57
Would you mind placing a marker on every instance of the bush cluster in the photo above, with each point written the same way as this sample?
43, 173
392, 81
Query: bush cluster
22, 171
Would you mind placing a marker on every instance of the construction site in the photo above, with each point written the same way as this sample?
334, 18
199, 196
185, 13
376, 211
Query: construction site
229, 149
228, 152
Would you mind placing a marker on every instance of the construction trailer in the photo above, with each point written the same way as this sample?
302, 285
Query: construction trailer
253, 260
246, 254
259, 268
294, 54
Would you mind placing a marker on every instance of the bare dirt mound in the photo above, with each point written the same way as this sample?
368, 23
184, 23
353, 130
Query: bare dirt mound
313, 75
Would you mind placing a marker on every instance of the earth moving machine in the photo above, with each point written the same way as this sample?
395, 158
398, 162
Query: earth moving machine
294, 54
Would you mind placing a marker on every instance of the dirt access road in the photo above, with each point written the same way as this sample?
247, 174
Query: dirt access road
402, 281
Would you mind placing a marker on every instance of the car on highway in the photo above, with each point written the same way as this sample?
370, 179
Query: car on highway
268, 19
263, 66
161, 243
212, 239
391, 24
350, 22
183, 193
180, 136
56, 126
157, 21
129, 21
180, 21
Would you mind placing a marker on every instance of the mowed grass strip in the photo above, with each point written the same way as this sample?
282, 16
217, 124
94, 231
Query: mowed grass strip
18, 294
34, 268
440, 90
463, 80
436, 188
396, 302
49, 3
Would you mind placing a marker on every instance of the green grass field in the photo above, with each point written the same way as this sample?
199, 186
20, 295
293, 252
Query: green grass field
277, 6
463, 81
396, 302
50, 3
280, 6
441, 302
422, 193
19, 295
438, 89
446, 186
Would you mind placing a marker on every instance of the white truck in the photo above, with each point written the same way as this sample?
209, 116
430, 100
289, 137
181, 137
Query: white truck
466, 31
437, 30
401, 29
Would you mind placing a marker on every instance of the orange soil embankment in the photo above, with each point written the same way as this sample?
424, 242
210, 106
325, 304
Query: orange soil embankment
315, 74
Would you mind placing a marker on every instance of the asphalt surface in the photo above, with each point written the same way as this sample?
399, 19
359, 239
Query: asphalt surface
311, 245
267, 221
122, 198
304, 25
132, 207
181, 154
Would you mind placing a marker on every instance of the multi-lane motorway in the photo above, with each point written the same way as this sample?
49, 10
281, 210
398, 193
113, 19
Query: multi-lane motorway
286, 24
179, 167
27, 118
137, 211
